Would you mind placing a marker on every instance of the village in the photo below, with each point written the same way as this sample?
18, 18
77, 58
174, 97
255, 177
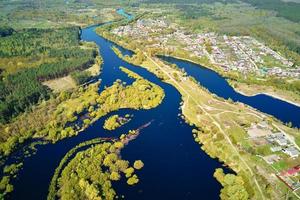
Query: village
237, 53
278, 149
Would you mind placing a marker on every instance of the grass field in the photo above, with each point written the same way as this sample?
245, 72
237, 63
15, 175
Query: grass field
61, 84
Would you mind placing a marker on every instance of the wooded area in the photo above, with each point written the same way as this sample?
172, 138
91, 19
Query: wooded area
21, 90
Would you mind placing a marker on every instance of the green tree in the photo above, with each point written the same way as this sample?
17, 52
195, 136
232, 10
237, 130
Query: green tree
115, 176
138, 164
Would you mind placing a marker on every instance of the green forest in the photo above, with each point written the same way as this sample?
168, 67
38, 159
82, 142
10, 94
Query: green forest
22, 89
289, 10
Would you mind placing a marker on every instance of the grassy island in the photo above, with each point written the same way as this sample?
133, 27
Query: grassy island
89, 175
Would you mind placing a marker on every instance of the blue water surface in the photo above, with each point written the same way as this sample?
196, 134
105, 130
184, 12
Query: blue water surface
122, 12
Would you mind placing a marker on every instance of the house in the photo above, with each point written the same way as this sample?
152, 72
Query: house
291, 172
292, 152
281, 139
276, 148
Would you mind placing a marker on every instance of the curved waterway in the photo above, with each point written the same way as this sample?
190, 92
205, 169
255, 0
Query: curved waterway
175, 166
282, 110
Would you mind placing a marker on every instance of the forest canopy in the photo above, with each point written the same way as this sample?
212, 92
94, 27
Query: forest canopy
60, 49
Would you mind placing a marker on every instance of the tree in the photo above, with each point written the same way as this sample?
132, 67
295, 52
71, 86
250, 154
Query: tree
115, 176
138, 164
122, 165
133, 180
234, 188
118, 145
128, 172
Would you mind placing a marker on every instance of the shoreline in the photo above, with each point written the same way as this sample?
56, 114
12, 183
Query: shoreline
240, 91
268, 94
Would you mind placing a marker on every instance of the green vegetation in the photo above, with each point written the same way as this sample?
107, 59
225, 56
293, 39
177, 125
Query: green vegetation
63, 162
5, 31
81, 77
49, 119
41, 41
115, 121
133, 180
289, 10
233, 186
8, 172
55, 13
138, 164
90, 173
283, 84
22, 88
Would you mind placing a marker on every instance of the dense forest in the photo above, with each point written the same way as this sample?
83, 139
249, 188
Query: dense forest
22, 89
288, 10
32, 41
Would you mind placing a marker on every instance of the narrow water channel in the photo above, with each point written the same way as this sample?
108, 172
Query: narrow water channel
175, 166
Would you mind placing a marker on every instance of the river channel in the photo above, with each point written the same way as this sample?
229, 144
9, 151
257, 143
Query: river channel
175, 166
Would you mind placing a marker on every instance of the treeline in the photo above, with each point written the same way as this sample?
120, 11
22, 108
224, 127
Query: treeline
50, 119
288, 10
24, 88
81, 77
192, 11
21, 90
35, 41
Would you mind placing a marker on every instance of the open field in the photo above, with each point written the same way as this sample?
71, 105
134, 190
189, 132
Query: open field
61, 84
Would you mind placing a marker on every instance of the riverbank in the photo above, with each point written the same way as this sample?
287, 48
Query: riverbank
253, 90
280, 85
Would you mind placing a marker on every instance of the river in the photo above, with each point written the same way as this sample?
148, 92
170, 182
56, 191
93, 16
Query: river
282, 110
175, 166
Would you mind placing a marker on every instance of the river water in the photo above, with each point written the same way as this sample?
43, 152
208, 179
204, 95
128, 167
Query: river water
175, 166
